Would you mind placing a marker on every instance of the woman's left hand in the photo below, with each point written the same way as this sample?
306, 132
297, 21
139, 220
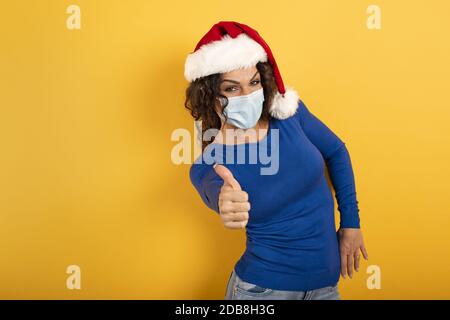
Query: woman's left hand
350, 243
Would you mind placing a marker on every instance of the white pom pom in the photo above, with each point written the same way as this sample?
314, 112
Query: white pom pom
284, 107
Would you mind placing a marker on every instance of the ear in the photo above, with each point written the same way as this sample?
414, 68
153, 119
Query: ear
284, 107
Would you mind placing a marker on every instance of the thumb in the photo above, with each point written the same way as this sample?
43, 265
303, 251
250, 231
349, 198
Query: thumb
227, 176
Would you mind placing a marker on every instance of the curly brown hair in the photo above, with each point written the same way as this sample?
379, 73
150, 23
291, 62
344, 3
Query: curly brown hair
202, 92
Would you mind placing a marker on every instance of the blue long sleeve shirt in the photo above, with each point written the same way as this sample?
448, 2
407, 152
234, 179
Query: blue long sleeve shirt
291, 233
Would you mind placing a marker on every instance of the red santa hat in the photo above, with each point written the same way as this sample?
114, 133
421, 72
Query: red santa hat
230, 45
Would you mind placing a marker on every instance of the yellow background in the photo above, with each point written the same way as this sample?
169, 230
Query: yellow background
86, 117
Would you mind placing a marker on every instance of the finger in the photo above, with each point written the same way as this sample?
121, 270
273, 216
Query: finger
226, 188
235, 196
344, 265
235, 224
240, 206
229, 206
235, 216
350, 265
357, 258
225, 206
364, 252
227, 176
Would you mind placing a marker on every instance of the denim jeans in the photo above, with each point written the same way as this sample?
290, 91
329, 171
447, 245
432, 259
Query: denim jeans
237, 289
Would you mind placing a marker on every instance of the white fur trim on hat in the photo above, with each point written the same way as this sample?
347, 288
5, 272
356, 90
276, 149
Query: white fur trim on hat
223, 55
284, 107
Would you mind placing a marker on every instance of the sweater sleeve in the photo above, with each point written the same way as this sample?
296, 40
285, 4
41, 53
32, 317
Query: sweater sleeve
207, 183
338, 162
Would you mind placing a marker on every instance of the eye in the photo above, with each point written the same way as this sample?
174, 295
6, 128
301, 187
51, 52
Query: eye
230, 89
255, 82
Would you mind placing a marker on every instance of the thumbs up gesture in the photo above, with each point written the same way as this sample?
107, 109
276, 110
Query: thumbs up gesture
233, 202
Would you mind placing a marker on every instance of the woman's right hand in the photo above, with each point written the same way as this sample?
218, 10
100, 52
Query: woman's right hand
233, 201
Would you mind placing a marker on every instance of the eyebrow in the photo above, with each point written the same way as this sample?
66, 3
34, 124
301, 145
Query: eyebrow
237, 82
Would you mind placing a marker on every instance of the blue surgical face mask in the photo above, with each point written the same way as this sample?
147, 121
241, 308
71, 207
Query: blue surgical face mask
245, 111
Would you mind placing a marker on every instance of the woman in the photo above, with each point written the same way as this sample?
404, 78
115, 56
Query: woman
292, 249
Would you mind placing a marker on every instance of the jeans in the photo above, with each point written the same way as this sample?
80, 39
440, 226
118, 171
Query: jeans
237, 289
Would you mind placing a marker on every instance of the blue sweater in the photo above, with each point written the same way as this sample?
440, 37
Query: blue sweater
291, 233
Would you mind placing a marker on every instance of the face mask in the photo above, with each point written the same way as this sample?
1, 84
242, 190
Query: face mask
244, 111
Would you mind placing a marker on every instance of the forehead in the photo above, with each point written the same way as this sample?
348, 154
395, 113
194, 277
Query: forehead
240, 74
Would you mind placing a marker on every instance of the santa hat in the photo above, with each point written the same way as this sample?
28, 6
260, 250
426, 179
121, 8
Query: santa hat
230, 45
